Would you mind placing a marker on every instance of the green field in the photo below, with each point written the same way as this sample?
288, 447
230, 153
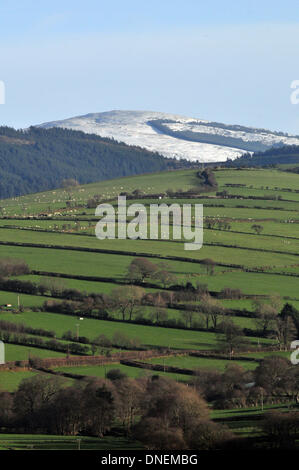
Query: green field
10, 380
64, 243
133, 372
16, 352
150, 336
47, 442
197, 363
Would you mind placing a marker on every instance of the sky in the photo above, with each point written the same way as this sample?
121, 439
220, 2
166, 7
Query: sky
226, 61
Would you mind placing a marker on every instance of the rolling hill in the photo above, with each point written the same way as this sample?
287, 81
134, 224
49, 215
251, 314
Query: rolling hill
39, 159
74, 311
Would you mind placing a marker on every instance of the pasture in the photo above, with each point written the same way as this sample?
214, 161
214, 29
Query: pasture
54, 233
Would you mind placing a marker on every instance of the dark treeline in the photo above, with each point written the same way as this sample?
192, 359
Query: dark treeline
274, 156
57, 154
21, 328
23, 339
13, 267
158, 412
275, 380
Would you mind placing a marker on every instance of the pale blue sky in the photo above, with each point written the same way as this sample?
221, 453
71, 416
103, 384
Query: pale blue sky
229, 61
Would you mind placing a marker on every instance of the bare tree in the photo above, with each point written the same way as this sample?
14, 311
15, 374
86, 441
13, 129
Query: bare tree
266, 313
68, 183
53, 285
188, 317
209, 264
281, 429
211, 309
232, 338
126, 300
285, 331
13, 267
257, 228
141, 269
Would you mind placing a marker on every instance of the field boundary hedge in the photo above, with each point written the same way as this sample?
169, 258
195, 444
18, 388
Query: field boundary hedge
157, 367
114, 252
84, 360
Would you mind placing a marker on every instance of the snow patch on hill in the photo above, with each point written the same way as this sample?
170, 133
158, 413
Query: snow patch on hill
132, 127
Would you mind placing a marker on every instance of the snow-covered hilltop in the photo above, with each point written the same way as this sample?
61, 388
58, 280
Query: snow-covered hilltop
176, 136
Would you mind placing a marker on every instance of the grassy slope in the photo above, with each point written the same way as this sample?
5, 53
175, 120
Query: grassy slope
258, 183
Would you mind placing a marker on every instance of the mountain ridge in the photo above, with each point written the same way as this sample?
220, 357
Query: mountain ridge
176, 136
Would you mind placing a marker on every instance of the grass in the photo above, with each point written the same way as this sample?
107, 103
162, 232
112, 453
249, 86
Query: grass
133, 372
197, 363
16, 352
253, 283
56, 199
258, 183
25, 299
230, 254
262, 355
10, 380
258, 178
245, 422
278, 217
83, 286
150, 336
71, 443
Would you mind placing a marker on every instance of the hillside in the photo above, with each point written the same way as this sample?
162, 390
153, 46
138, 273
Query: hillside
39, 159
74, 306
177, 136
